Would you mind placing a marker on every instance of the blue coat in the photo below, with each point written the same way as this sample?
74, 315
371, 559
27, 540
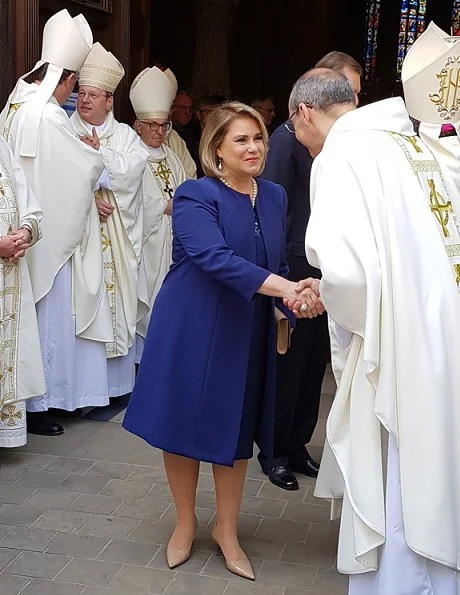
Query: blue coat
189, 393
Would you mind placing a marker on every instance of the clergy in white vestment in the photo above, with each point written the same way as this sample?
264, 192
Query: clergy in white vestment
119, 201
384, 232
66, 266
178, 145
21, 367
175, 141
430, 77
152, 95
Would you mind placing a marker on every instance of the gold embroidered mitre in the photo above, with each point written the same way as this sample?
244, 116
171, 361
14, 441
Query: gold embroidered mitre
101, 70
431, 77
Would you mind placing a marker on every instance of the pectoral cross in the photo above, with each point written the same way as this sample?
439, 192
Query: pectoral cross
163, 172
169, 191
440, 208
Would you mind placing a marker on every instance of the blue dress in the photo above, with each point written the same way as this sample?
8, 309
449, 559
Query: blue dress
256, 375
206, 383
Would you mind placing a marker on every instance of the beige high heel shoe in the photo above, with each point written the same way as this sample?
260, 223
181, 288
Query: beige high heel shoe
240, 567
175, 557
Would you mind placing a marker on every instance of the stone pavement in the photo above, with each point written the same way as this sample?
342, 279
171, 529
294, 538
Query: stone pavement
89, 513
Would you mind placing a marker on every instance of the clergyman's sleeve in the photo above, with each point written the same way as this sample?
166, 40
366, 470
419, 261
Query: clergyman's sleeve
30, 213
340, 239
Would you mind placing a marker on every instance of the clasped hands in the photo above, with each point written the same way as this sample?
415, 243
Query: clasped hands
13, 246
304, 299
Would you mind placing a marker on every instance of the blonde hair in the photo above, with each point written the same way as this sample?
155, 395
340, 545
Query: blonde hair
216, 127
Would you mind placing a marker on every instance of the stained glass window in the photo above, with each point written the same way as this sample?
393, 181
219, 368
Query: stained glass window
412, 24
456, 18
370, 46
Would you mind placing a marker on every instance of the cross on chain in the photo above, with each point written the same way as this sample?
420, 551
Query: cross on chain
440, 209
163, 172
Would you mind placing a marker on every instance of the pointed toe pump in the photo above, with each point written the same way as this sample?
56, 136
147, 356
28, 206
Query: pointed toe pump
241, 567
175, 557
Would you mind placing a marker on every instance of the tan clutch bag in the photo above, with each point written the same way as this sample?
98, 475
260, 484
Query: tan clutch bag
283, 332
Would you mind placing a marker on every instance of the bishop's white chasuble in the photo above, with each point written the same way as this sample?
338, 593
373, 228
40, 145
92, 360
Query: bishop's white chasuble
125, 160
163, 174
66, 267
21, 368
384, 232
178, 145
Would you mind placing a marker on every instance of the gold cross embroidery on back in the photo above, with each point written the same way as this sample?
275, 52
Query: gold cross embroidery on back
440, 208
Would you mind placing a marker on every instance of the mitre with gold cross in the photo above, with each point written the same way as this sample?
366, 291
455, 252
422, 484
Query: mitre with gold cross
101, 70
431, 77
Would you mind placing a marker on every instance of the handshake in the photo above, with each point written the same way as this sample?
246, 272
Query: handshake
304, 299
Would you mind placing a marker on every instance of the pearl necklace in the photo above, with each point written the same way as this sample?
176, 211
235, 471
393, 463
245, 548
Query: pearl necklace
254, 189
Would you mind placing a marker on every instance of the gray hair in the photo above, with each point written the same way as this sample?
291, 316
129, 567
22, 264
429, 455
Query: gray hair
323, 89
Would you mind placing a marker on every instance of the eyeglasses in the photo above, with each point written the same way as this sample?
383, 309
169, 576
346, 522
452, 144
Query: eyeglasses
155, 126
92, 96
183, 108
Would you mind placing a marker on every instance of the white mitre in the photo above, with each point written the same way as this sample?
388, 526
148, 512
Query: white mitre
151, 94
173, 80
66, 44
431, 77
101, 70
431, 81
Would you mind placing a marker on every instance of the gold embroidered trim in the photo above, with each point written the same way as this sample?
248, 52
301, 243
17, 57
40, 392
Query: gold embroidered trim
10, 289
441, 208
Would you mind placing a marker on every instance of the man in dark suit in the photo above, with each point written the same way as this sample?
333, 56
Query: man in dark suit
301, 370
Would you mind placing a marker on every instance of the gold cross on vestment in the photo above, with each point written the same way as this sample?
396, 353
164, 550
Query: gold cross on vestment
163, 172
440, 208
10, 414
413, 142
105, 241
457, 273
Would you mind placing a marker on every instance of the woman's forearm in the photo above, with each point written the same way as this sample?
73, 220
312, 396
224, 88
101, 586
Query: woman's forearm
276, 286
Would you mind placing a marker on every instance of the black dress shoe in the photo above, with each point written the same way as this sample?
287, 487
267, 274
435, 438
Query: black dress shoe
305, 467
64, 413
282, 477
314, 463
42, 424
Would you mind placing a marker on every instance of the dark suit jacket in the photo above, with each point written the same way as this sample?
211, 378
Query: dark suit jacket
289, 164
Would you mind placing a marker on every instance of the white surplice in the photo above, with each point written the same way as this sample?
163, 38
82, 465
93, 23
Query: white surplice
163, 174
120, 185
178, 145
385, 237
21, 368
66, 267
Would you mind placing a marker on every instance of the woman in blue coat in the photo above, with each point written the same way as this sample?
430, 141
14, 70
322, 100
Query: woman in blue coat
205, 387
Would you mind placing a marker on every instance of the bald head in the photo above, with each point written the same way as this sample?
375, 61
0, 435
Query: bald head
324, 89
